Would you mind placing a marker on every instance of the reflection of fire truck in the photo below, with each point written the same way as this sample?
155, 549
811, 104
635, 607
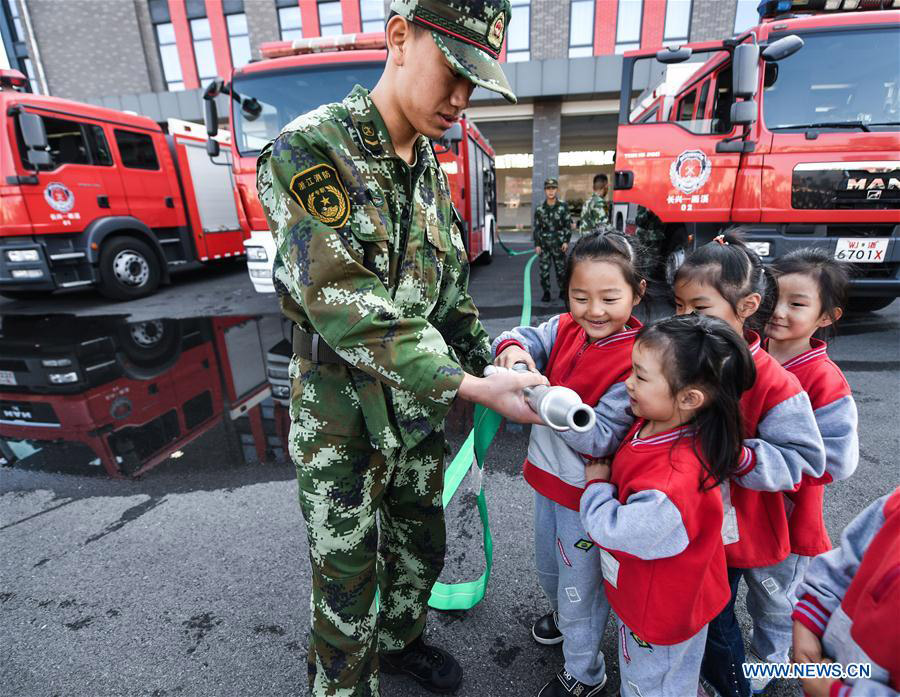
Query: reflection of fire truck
78, 394
787, 133
93, 196
295, 78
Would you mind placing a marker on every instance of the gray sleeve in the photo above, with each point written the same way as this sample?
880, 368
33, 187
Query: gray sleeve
648, 525
829, 574
537, 341
838, 424
613, 422
789, 446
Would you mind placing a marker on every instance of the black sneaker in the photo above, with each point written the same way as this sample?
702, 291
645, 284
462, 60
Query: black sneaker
433, 668
564, 685
545, 298
546, 630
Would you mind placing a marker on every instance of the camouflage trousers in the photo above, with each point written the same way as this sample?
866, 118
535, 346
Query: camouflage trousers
344, 486
551, 253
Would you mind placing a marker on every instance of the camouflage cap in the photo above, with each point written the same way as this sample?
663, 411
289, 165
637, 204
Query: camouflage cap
551, 181
470, 34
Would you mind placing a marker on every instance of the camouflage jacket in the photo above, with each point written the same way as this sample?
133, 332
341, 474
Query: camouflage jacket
552, 224
594, 215
368, 257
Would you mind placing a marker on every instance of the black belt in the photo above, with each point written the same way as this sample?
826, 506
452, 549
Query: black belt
312, 347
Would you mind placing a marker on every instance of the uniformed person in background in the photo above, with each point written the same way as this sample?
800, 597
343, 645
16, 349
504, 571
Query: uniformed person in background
595, 211
552, 230
372, 269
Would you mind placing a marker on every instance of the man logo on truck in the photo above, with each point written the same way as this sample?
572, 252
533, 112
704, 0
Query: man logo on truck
59, 197
690, 171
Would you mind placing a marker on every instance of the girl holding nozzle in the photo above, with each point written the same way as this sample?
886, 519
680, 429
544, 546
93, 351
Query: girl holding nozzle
587, 349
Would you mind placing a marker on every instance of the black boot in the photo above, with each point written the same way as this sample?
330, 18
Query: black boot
431, 667
545, 298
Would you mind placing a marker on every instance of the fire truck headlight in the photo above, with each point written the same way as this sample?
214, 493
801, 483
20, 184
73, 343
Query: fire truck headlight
261, 273
761, 248
23, 255
27, 273
63, 378
281, 392
257, 254
56, 362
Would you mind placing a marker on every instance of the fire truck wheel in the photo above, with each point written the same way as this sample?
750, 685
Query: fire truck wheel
128, 269
869, 304
150, 347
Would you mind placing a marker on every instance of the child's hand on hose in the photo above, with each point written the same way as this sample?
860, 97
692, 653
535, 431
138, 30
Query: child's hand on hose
512, 355
598, 469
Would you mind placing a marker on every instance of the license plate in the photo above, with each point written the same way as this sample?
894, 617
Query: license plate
7, 377
861, 251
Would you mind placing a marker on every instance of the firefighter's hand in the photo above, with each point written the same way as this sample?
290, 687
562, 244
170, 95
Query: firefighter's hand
818, 687
565, 247
503, 392
807, 647
537, 249
511, 355
597, 469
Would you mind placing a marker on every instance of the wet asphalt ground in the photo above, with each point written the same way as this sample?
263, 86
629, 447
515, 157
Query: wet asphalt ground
194, 580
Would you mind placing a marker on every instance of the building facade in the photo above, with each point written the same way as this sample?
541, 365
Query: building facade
562, 58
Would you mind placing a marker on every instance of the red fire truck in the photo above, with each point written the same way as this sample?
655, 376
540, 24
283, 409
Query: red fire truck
86, 394
296, 77
94, 196
787, 133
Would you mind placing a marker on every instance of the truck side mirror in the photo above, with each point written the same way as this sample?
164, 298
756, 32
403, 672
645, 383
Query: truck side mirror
782, 48
743, 113
212, 147
34, 137
674, 54
210, 116
745, 71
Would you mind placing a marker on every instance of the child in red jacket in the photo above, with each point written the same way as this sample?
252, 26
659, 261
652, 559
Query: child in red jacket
849, 606
657, 513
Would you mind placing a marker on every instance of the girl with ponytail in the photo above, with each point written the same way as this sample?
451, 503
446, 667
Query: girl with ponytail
782, 445
656, 512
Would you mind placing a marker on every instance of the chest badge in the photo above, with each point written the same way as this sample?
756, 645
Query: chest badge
320, 192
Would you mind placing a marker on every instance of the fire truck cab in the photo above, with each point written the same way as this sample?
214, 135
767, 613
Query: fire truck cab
93, 196
296, 77
787, 133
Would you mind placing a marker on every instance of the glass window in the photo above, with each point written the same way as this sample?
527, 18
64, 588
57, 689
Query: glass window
32, 78
678, 20
628, 25
746, 15
283, 95
581, 28
518, 34
372, 13
99, 147
819, 85
203, 49
723, 99
136, 150
686, 106
330, 18
67, 143
291, 23
701, 103
238, 39
168, 56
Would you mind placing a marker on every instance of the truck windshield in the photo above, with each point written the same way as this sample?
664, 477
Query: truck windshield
284, 95
845, 78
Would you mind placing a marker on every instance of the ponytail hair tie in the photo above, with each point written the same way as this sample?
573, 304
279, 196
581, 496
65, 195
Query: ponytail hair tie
721, 239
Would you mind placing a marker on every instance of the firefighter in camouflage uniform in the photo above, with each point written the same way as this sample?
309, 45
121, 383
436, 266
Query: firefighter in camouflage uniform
372, 271
595, 211
552, 230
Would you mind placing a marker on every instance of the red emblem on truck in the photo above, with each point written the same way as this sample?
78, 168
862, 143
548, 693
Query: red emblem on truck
690, 171
59, 197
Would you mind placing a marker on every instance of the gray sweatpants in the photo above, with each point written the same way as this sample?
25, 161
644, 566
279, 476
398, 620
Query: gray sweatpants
568, 569
659, 671
770, 602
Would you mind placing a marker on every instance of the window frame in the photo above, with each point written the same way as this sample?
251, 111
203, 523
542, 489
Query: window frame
319, 4
194, 41
520, 55
232, 37
631, 44
362, 20
589, 45
687, 34
281, 28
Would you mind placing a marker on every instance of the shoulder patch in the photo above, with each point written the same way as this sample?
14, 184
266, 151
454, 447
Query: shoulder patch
320, 192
